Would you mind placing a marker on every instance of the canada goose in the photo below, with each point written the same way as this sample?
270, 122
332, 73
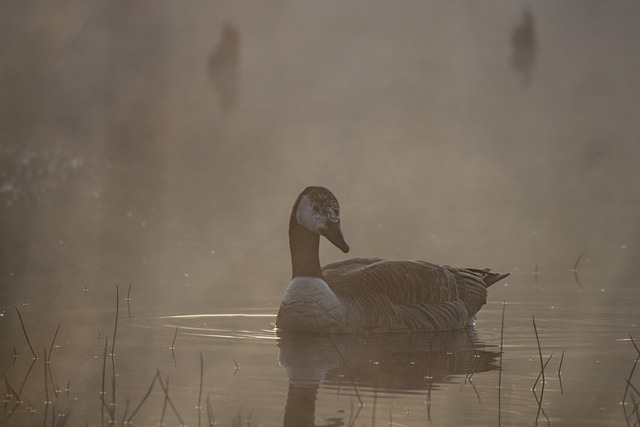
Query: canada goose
369, 294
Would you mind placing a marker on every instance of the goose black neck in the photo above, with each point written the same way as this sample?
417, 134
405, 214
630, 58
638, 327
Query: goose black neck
304, 245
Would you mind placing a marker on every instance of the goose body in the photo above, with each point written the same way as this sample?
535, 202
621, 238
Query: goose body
370, 294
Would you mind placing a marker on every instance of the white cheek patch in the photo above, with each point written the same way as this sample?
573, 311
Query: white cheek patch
307, 218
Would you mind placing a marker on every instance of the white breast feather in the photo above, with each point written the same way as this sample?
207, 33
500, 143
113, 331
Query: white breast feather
310, 288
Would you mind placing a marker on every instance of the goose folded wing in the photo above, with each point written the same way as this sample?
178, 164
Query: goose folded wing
403, 282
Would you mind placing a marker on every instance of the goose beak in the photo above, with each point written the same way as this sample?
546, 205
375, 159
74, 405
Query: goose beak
333, 233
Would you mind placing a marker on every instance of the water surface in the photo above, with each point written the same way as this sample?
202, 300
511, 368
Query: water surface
150, 155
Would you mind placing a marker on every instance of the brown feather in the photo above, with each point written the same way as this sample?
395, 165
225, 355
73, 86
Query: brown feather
406, 295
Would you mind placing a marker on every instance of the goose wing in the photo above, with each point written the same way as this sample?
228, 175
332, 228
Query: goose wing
404, 282
342, 267
407, 294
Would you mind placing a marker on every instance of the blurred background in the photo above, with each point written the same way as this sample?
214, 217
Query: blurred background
163, 144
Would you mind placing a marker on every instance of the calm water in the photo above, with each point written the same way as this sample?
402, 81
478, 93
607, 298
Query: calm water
149, 158
250, 376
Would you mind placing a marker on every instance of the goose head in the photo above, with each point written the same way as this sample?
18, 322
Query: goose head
318, 211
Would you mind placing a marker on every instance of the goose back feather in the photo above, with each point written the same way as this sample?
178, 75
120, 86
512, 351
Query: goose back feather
385, 295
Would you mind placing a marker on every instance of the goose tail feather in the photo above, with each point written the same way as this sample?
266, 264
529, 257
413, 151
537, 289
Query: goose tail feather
492, 278
488, 277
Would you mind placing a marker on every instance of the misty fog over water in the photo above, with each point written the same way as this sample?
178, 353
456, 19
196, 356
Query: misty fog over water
163, 144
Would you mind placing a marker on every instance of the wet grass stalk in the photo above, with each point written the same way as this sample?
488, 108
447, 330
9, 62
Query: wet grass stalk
164, 405
211, 419
626, 389
350, 412
112, 407
173, 347
540, 410
55, 335
115, 326
475, 390
430, 373
504, 306
126, 410
173, 343
10, 390
541, 372
375, 404
635, 410
46, 383
46, 414
353, 417
475, 365
539, 351
7, 397
476, 358
199, 407
129, 300
25, 333
542, 365
575, 266
575, 270
560, 373
634, 344
7, 401
19, 401
104, 372
145, 397
577, 279
560, 366
54, 384
633, 388
166, 391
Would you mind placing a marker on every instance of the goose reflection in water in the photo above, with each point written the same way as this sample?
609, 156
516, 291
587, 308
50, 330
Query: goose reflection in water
398, 363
